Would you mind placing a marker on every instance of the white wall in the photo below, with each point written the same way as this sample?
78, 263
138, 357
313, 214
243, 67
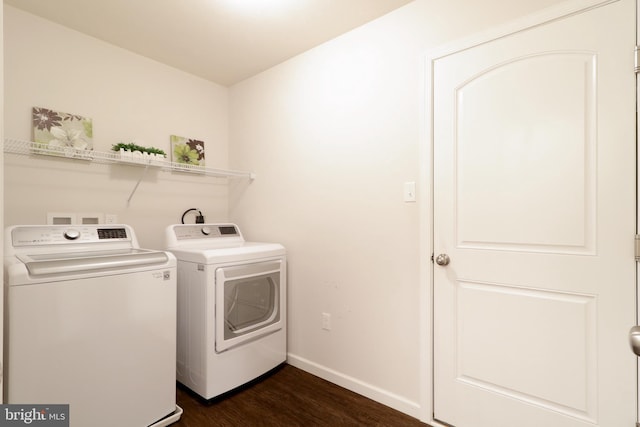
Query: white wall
333, 134
129, 97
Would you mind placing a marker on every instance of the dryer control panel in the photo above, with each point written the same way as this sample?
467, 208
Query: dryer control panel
205, 231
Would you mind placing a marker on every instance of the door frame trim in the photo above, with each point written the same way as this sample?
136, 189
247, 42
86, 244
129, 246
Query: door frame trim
637, 210
426, 201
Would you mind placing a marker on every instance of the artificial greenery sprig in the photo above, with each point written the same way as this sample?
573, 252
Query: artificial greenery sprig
135, 147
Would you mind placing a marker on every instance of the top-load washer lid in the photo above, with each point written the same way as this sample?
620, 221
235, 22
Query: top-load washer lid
57, 250
73, 262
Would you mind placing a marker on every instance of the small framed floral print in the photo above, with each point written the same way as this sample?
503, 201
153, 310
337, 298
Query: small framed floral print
62, 131
187, 151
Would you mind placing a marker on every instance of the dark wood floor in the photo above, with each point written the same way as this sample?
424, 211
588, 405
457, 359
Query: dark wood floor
288, 397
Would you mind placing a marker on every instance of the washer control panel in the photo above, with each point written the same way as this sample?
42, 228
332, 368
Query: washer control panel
51, 235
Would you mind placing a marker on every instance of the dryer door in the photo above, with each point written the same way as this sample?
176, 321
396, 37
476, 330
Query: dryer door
249, 299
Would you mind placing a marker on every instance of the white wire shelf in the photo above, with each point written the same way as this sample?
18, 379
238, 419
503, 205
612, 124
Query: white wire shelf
21, 147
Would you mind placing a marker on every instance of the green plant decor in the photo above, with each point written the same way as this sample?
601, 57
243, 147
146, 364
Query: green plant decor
135, 147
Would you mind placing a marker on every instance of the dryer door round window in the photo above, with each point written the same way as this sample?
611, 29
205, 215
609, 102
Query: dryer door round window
248, 300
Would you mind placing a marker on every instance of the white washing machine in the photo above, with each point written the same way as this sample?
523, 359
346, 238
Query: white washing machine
231, 307
90, 321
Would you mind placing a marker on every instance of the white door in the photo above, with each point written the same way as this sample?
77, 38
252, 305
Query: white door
534, 203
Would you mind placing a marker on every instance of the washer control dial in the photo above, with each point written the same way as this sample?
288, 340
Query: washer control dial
206, 230
71, 234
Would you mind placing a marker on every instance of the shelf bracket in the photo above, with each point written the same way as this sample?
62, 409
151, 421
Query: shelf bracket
144, 172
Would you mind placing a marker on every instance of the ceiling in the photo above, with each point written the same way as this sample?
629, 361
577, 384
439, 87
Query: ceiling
224, 41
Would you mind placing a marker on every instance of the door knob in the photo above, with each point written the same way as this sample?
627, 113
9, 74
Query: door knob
443, 259
634, 339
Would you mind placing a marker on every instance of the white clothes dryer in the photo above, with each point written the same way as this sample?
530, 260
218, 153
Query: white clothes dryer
231, 306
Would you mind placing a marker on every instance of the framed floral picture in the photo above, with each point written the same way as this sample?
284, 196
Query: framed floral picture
187, 151
62, 131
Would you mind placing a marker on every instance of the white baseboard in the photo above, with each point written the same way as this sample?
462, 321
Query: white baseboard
374, 393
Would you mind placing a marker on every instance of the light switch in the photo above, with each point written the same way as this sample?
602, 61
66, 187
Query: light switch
410, 191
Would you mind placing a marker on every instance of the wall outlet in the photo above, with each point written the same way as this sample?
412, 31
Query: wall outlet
110, 219
326, 321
